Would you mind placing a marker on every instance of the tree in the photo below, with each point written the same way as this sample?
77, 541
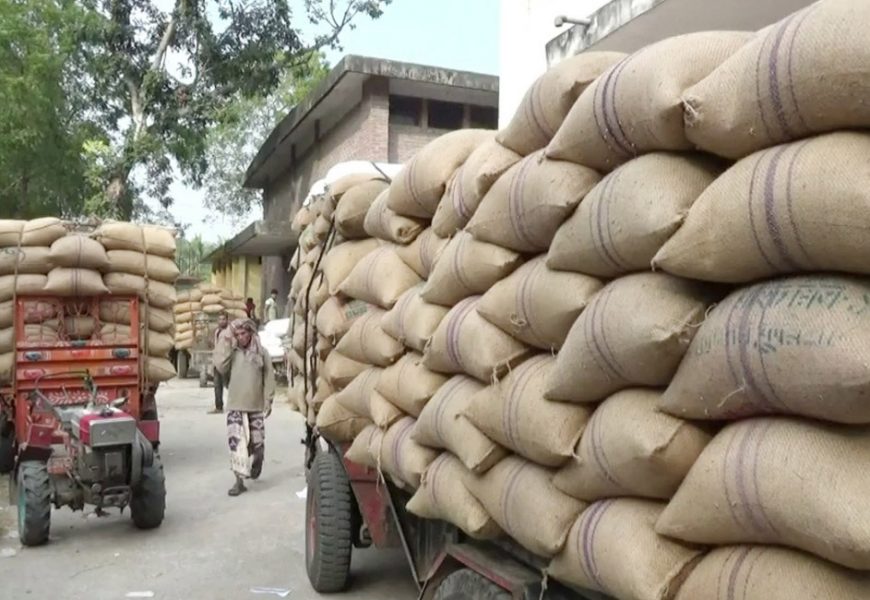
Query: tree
189, 256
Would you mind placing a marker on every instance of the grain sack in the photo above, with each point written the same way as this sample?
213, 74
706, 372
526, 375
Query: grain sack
422, 253
35, 312
187, 307
63, 281
403, 458
340, 370
350, 214
355, 397
442, 425
22, 284
338, 314
7, 311
551, 96
211, 299
321, 393
417, 188
364, 449
525, 207
214, 309
379, 278
613, 548
366, 341
137, 263
384, 224
129, 236
514, 413
7, 366
209, 288
779, 481
787, 346
191, 295
780, 211
635, 107
633, 333
321, 227
629, 448
469, 184
303, 337
807, 74
302, 219
118, 311
412, 320
466, 267
33, 334
155, 293
338, 424
444, 495
341, 259
31, 259
155, 344
158, 369
80, 327
408, 384
78, 252
537, 305
626, 218
345, 183
36, 232
183, 327
298, 284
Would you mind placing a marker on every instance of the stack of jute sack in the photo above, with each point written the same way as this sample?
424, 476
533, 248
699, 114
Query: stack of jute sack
216, 300
202, 304
188, 304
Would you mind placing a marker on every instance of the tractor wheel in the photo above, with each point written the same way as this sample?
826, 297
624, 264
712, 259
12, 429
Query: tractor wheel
7, 446
465, 584
34, 502
149, 497
328, 536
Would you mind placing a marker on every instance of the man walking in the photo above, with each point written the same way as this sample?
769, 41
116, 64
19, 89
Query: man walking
223, 321
272, 307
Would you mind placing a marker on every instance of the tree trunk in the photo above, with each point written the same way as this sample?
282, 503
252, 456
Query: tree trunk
117, 196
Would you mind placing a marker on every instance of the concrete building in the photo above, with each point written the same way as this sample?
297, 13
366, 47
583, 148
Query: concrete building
365, 109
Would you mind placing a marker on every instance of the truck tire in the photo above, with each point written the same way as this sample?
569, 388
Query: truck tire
34, 502
465, 584
328, 542
148, 504
183, 364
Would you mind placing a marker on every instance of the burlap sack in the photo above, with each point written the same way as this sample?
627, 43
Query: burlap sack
7, 311
141, 238
211, 299
209, 288
183, 327
635, 107
30, 259
36, 232
118, 311
379, 278
321, 226
422, 253
365, 447
403, 458
302, 338
302, 219
298, 285
356, 396
340, 370
412, 320
343, 184
350, 214
525, 207
408, 384
63, 281
158, 369
787, 346
633, 333
22, 284
214, 309
417, 188
780, 211
629, 448
137, 263
779, 481
613, 548
807, 74
35, 312
537, 305
187, 307
514, 413
33, 334
551, 96
156, 293
190, 295
383, 412
626, 218
338, 314
444, 495
338, 424
7, 366
466, 267
81, 327
366, 341
469, 184
442, 425
467, 343
155, 344
78, 252
320, 393
384, 224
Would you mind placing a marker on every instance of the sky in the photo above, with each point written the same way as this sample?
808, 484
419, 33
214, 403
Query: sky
457, 34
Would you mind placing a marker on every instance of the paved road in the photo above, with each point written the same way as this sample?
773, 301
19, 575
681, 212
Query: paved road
210, 546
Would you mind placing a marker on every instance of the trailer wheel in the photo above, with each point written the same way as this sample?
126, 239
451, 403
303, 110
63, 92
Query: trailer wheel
328, 524
148, 504
465, 584
34, 503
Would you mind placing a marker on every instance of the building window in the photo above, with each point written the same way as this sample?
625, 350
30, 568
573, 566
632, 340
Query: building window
483, 117
405, 110
445, 115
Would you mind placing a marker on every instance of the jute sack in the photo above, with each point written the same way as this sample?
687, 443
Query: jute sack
298, 284
209, 288
183, 327
514, 413
187, 307
36, 232
155, 293
155, 344
81, 327
63, 281
302, 219
635, 107
518, 495
340, 370
213, 309
780, 211
444, 495
633, 333
338, 314
629, 448
626, 218
32, 334
116, 235
466, 267
442, 425
771, 573
191, 295
408, 384
366, 341
29, 259
417, 188
336, 423
467, 343
321, 392
551, 96
382, 223
7, 312
779, 481
210, 299
383, 412
118, 311
806, 74
78, 252
22, 284
422, 253
787, 346
412, 320
341, 259
401, 457
469, 184
338, 188
525, 207
137, 263
613, 548
158, 369
379, 278
356, 396
537, 305
302, 338
7, 366
321, 226
350, 213
35, 312
364, 449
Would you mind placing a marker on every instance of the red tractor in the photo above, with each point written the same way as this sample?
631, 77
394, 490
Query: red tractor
78, 426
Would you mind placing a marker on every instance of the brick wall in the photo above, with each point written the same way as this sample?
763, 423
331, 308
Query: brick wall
406, 140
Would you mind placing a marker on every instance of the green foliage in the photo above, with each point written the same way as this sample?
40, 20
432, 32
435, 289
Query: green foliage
190, 254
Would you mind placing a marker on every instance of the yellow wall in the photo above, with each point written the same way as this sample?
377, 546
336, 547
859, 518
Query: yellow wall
240, 274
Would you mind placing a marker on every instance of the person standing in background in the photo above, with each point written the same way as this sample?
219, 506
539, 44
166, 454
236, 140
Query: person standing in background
272, 307
251, 309
223, 322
